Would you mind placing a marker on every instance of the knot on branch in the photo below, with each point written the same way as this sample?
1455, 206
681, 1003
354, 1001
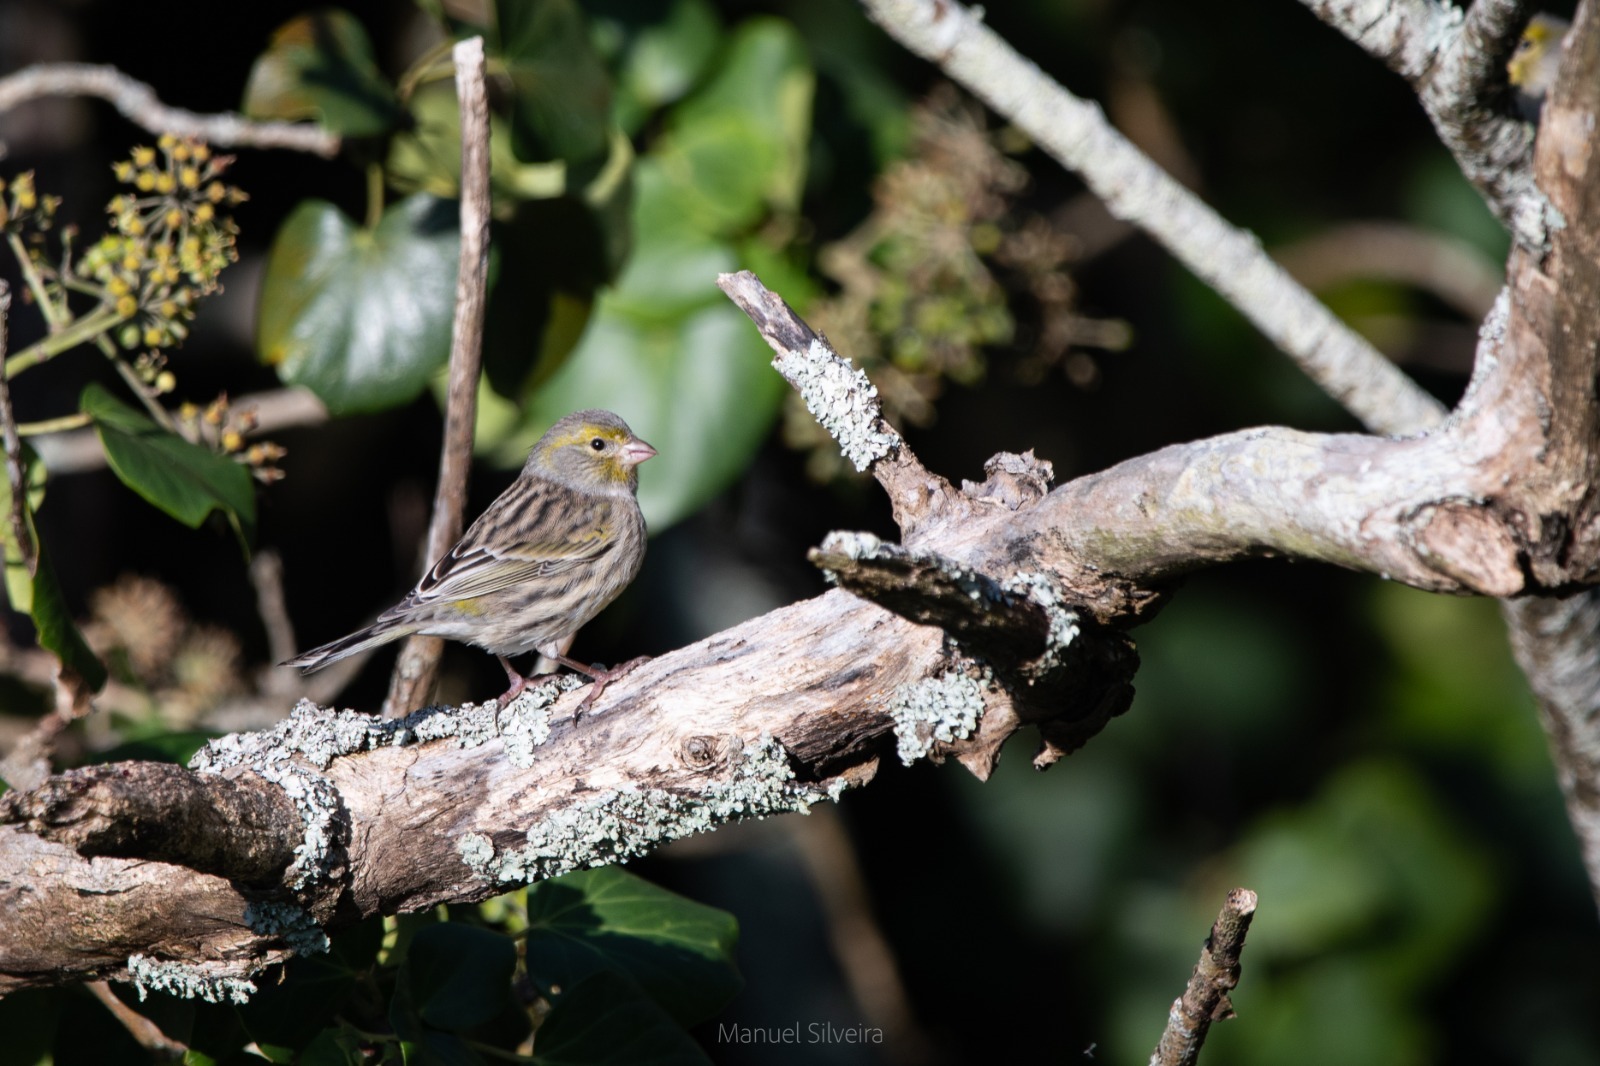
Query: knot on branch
1013, 481
1059, 671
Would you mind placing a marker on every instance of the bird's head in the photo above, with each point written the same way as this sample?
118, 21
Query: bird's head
591, 450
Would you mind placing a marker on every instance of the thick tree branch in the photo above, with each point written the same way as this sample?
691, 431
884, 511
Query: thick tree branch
1076, 134
161, 811
401, 815
138, 102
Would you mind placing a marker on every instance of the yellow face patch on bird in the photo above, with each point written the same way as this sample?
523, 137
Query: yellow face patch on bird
609, 452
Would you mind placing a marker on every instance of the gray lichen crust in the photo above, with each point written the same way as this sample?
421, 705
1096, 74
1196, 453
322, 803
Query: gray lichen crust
842, 400
940, 709
1063, 619
299, 931
616, 825
316, 736
187, 980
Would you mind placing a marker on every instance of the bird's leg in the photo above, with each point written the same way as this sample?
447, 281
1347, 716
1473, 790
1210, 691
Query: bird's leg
518, 682
602, 676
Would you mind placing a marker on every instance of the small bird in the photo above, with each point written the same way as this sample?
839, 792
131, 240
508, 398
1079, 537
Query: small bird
1532, 68
546, 556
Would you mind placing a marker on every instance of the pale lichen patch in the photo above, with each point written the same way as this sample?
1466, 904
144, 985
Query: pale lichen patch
935, 710
842, 400
619, 824
187, 980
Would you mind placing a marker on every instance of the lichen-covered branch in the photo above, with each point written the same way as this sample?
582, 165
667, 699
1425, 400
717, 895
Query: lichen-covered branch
1206, 999
139, 103
1075, 133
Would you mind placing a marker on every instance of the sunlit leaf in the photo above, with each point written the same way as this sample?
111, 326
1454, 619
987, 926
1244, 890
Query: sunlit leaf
689, 374
362, 318
667, 53
319, 66
737, 148
185, 480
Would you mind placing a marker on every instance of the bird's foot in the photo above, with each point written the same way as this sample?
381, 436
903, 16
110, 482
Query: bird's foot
602, 678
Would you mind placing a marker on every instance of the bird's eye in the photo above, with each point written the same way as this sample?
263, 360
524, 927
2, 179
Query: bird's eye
598, 444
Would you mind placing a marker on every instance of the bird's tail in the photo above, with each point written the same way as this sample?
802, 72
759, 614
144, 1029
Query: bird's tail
380, 632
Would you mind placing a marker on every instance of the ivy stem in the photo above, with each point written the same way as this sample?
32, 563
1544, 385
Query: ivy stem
139, 388
80, 332
374, 195
76, 420
55, 317
20, 546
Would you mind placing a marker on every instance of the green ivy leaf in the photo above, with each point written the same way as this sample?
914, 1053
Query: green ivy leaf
666, 54
606, 920
458, 975
561, 93
362, 318
319, 67
185, 480
56, 632
737, 148
606, 1020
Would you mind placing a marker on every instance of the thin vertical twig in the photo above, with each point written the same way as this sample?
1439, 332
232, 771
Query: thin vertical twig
15, 474
418, 664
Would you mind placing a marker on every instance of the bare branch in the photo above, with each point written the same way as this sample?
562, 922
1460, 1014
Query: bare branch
1206, 1000
771, 716
1457, 66
142, 1029
1450, 268
138, 102
842, 401
418, 663
1231, 261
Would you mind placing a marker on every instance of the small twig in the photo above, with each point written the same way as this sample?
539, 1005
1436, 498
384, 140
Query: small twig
1457, 68
266, 575
16, 476
142, 1029
78, 451
139, 102
1451, 269
1230, 260
418, 663
1215, 975
842, 401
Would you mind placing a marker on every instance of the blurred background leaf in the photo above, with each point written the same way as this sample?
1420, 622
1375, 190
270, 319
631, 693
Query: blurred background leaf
319, 66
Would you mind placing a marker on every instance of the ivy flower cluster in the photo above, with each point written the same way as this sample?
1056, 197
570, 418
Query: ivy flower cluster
168, 243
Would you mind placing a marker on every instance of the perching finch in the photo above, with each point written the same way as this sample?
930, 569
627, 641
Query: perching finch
547, 555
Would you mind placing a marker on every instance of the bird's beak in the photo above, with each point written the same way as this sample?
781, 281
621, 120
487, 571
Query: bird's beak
636, 451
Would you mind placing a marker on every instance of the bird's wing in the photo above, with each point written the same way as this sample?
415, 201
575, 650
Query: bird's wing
495, 554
